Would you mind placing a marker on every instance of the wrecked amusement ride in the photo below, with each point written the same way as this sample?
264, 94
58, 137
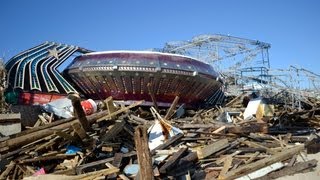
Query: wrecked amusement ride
124, 75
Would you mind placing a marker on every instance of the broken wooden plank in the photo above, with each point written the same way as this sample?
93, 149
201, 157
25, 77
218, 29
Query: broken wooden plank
66, 136
106, 117
252, 158
287, 171
251, 128
143, 153
212, 148
115, 163
219, 129
153, 98
172, 107
114, 131
77, 127
37, 133
95, 174
245, 169
46, 158
256, 145
167, 143
172, 161
43, 119
140, 120
263, 171
6, 172
110, 106
226, 166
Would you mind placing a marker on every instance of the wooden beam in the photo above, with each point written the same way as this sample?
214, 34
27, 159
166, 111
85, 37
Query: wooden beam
120, 111
143, 153
226, 166
287, 171
43, 119
114, 131
167, 143
173, 160
79, 130
46, 158
172, 107
78, 111
254, 127
95, 174
34, 134
212, 148
110, 106
248, 168
153, 98
256, 145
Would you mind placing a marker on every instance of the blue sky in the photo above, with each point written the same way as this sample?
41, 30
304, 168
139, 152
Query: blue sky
291, 26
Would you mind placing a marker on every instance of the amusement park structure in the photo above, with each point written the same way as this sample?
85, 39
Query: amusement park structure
201, 71
245, 66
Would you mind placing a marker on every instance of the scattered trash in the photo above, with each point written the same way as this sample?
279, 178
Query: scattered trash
72, 149
63, 107
131, 169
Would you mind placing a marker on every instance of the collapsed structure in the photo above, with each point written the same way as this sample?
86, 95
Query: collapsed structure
245, 138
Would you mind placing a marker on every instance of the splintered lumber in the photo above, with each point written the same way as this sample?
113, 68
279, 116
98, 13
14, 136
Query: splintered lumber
219, 129
212, 148
79, 113
120, 111
172, 161
256, 145
140, 120
153, 98
5, 173
82, 167
77, 127
171, 109
66, 136
198, 126
143, 153
110, 106
253, 127
287, 171
95, 174
115, 163
34, 134
167, 143
234, 100
248, 168
226, 166
114, 131
46, 158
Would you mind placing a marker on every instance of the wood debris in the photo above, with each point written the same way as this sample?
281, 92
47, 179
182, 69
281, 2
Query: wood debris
114, 143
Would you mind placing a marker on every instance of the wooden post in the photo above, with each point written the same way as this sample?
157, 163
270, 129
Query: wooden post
78, 111
80, 131
173, 105
153, 98
143, 153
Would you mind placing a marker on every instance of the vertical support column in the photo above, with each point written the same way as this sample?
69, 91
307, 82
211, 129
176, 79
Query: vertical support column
79, 113
143, 153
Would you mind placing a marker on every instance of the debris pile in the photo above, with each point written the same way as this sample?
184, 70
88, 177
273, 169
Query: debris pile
244, 140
